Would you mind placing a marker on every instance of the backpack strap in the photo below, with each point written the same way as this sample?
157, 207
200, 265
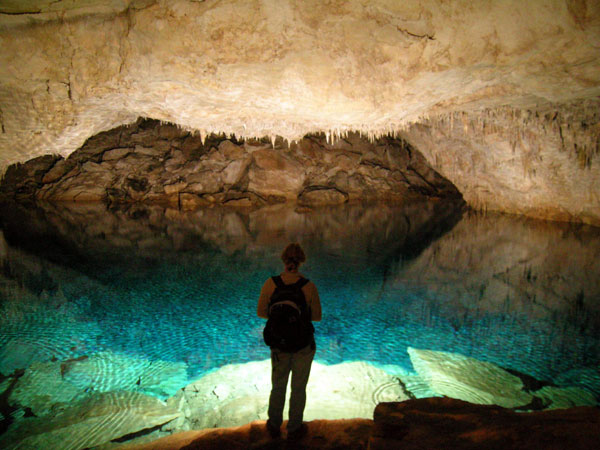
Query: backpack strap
301, 282
278, 281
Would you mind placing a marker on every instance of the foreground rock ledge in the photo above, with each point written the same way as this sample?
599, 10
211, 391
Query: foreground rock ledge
415, 424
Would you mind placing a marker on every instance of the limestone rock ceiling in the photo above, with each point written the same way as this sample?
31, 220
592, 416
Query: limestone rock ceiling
254, 68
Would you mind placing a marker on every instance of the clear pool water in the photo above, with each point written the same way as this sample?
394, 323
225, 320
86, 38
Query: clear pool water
181, 287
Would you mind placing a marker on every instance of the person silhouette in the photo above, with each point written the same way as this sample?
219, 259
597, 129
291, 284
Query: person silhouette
297, 362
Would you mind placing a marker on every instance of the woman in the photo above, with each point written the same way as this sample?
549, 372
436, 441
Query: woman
297, 362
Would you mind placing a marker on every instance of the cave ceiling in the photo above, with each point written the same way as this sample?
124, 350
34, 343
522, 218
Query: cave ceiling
253, 68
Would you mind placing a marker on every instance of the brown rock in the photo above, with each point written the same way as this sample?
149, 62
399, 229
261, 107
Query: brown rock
116, 153
317, 195
192, 147
274, 173
31, 172
448, 423
205, 181
176, 161
145, 136
170, 131
146, 167
175, 187
231, 151
322, 435
243, 201
159, 148
90, 166
235, 171
189, 201
58, 171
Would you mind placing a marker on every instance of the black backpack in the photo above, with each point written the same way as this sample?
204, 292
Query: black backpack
289, 327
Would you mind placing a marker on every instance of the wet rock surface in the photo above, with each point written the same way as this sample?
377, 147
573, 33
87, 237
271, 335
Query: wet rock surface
153, 162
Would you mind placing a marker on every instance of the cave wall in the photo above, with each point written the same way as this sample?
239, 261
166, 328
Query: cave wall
69, 70
542, 163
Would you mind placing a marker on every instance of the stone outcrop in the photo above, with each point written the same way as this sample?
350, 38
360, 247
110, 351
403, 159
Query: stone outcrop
70, 70
160, 163
449, 423
347, 434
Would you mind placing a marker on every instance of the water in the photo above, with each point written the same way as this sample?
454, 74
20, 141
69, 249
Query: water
174, 293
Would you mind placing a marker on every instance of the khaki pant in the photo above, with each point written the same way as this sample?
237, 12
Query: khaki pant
281, 364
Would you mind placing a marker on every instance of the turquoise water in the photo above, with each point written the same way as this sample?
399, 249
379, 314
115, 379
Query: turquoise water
181, 288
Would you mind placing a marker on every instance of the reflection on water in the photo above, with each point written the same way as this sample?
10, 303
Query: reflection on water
174, 293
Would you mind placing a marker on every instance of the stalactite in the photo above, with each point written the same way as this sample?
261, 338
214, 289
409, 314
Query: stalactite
2, 128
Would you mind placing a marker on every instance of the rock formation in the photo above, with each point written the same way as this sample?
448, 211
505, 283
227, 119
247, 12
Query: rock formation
449, 423
501, 96
154, 163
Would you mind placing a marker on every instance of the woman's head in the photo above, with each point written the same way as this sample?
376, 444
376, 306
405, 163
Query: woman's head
292, 257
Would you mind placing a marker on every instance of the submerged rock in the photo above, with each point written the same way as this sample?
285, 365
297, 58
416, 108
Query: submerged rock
93, 421
107, 371
460, 377
316, 195
239, 393
44, 386
568, 397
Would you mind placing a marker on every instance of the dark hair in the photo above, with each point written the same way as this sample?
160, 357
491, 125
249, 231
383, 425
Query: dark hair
292, 256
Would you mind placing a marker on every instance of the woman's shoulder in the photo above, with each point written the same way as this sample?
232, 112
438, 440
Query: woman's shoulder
269, 283
310, 285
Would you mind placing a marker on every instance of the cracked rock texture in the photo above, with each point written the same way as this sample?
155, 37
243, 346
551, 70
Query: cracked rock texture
69, 70
155, 163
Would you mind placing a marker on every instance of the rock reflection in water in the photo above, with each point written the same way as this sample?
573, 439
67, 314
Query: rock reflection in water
71, 230
515, 291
